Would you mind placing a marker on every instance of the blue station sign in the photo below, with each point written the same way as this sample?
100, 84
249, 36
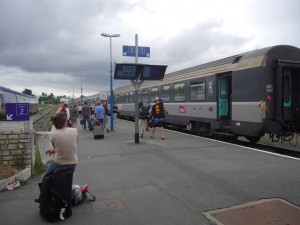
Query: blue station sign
130, 51
17, 111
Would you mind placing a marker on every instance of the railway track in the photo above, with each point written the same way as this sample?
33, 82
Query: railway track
40, 121
288, 148
265, 144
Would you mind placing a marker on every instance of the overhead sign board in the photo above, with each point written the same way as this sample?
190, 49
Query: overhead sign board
126, 71
132, 71
130, 51
17, 111
153, 72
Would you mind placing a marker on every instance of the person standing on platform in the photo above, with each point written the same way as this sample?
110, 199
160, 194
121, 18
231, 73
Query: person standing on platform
143, 116
86, 112
66, 111
74, 116
80, 111
158, 113
115, 110
100, 112
105, 120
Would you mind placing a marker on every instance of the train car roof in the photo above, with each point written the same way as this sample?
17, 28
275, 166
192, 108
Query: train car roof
283, 51
8, 90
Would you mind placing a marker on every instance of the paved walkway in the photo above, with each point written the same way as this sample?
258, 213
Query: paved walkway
160, 182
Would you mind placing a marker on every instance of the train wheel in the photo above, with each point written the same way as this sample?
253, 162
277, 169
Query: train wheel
253, 139
194, 128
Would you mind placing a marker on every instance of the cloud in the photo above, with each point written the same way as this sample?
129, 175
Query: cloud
55, 46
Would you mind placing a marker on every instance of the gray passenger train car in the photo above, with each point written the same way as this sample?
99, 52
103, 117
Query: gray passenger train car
10, 96
249, 94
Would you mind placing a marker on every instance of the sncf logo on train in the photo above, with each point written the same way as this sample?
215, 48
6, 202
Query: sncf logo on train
182, 109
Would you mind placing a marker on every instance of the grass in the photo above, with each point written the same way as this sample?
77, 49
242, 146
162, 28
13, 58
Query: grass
38, 166
7, 171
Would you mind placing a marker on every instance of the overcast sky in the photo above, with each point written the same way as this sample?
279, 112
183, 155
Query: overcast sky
51, 45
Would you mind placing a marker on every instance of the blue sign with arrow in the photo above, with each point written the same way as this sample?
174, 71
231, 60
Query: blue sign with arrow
17, 111
130, 51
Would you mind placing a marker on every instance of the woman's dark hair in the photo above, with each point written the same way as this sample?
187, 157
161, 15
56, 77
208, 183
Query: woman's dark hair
59, 120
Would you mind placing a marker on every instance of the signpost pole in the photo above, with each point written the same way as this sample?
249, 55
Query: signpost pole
136, 97
137, 73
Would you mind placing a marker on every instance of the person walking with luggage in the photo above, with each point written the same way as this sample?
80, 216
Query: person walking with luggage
143, 116
158, 113
100, 112
86, 112
64, 141
74, 116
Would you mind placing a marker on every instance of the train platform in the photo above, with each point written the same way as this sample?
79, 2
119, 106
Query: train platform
182, 180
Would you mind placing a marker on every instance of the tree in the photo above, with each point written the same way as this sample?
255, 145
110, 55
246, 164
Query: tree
27, 92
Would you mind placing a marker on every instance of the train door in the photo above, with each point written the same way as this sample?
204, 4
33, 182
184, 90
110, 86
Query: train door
291, 96
224, 96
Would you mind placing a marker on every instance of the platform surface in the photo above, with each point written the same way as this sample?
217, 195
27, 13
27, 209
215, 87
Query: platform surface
169, 182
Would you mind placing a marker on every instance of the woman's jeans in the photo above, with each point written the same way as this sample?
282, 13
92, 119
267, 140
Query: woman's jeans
53, 166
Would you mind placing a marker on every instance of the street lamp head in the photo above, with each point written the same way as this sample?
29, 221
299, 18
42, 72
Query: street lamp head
110, 35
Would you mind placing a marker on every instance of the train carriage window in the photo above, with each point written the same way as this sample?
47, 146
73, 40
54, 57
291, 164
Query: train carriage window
166, 93
153, 94
145, 95
126, 98
179, 92
223, 88
122, 98
131, 97
287, 89
118, 99
197, 90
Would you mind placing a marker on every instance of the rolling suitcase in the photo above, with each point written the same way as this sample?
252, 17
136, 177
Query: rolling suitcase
98, 130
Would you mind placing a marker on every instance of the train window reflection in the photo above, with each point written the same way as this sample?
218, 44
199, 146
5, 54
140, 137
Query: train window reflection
126, 97
179, 92
131, 97
153, 94
166, 93
145, 95
287, 89
197, 91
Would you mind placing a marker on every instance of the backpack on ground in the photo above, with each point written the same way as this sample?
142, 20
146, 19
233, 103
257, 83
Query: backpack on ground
55, 195
79, 194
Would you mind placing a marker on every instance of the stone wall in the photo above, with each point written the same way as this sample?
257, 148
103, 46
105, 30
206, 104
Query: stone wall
16, 143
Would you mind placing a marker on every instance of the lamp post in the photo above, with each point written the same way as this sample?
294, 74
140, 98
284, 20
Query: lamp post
111, 111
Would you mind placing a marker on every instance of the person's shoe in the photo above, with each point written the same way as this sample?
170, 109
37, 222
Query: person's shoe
152, 136
107, 130
142, 135
162, 138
